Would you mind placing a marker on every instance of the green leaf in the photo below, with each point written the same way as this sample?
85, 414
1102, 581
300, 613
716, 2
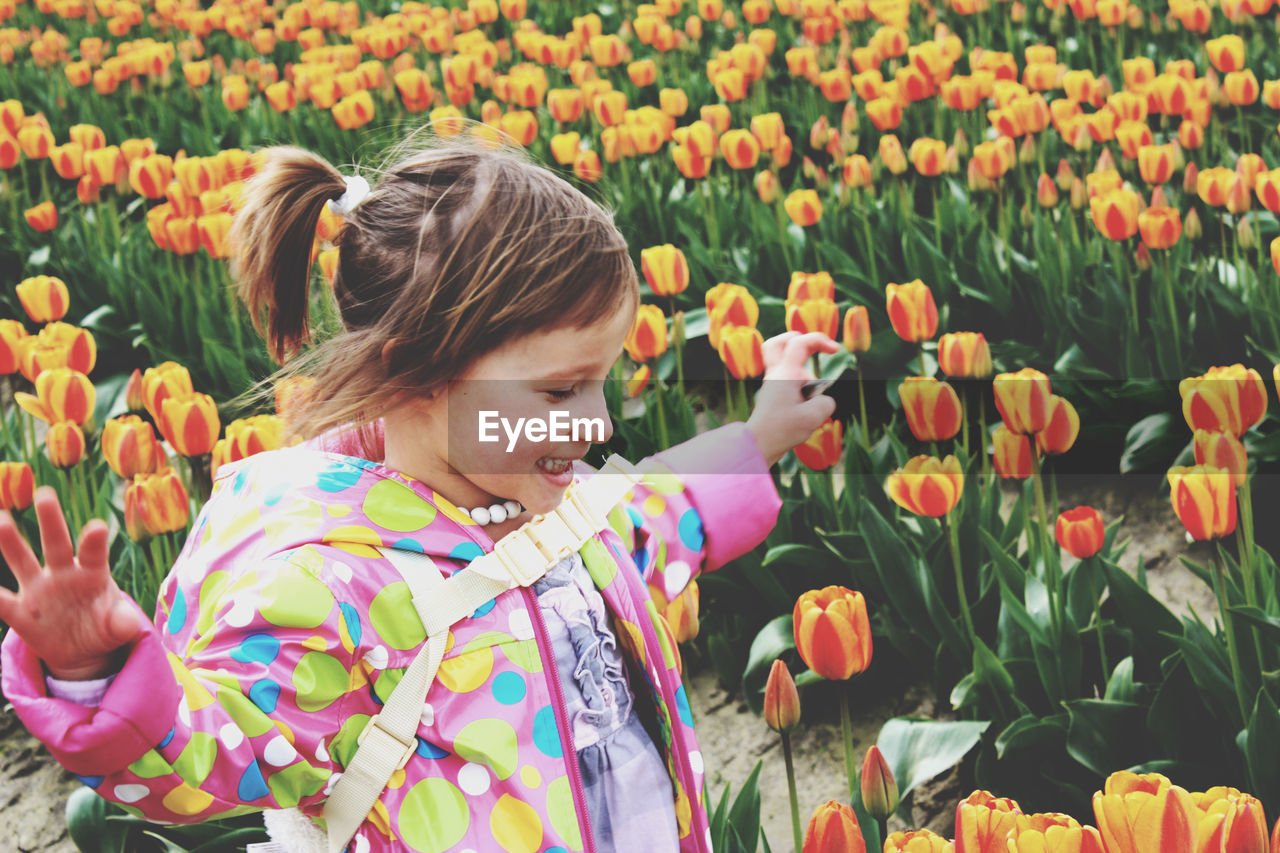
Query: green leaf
1030, 730
1105, 736
744, 815
1120, 687
917, 750
1262, 740
1144, 614
88, 827
1151, 442
772, 641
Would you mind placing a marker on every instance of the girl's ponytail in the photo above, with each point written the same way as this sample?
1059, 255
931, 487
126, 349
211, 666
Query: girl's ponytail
272, 237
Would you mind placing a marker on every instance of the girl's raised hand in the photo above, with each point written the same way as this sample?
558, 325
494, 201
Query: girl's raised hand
70, 612
782, 417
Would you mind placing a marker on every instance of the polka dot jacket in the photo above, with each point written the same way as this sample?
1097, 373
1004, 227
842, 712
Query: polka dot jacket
281, 630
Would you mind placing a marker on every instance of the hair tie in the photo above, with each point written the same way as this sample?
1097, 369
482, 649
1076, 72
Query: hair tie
357, 190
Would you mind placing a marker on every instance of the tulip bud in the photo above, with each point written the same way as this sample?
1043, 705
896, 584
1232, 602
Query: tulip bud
1192, 228
912, 311
1190, 178
1080, 531
932, 408
636, 384
1079, 195
65, 443
857, 329
766, 183
1046, 191
742, 351
17, 485
822, 449
155, 504
133, 399
879, 788
1246, 234
804, 207
1011, 454
62, 394
1023, 400
1228, 399
130, 447
961, 142
1142, 257
781, 699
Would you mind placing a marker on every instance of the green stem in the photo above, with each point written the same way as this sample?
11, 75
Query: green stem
862, 407
1173, 311
1087, 565
871, 246
1237, 677
709, 214
796, 835
922, 373
982, 426
73, 503
780, 214
964, 419
1247, 562
953, 537
1052, 571
846, 735
663, 437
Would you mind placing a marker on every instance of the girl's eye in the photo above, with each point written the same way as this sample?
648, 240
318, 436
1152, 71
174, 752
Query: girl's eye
560, 394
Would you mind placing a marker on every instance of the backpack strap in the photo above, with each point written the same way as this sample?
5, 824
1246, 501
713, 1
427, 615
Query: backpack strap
518, 559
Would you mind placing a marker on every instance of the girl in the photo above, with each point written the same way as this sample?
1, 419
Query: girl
470, 282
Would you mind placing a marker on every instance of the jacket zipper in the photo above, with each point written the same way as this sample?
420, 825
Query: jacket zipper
562, 714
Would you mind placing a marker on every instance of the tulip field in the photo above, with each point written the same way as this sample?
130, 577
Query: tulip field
1046, 234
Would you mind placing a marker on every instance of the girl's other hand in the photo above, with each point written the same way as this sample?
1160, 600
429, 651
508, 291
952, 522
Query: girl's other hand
782, 417
70, 612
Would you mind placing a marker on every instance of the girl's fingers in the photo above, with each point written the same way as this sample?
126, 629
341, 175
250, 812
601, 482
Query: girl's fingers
801, 347
10, 609
123, 624
16, 552
773, 348
55, 539
93, 551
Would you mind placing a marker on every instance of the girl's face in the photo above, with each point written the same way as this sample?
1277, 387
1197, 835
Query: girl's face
512, 425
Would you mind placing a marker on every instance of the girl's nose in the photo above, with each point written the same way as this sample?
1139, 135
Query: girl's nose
595, 406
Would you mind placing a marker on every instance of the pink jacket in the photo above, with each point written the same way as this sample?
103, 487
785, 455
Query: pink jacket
281, 630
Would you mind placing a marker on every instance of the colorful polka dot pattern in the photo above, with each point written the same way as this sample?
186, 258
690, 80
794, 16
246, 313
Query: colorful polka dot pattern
286, 631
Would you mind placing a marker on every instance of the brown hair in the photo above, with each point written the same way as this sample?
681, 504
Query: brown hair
458, 249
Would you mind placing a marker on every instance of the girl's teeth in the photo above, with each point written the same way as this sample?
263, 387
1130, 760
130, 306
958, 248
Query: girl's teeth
554, 466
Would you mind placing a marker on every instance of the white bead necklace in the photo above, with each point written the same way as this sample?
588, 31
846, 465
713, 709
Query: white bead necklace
494, 513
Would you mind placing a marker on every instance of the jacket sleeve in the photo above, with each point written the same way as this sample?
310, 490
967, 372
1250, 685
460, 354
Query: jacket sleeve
704, 502
227, 705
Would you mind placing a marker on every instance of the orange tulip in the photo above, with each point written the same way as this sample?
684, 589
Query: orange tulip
1080, 531
1161, 227
1222, 450
586, 166
1231, 821
857, 172
857, 329
1011, 454
912, 311
190, 423
742, 350
729, 305
235, 92
154, 504
740, 148
17, 485
565, 105
1023, 399
815, 285
964, 354
1241, 88
1155, 163
65, 443
932, 408
665, 269
804, 207
917, 841
983, 822
928, 156
1213, 185
68, 160
990, 161
768, 129
1145, 817
150, 175
832, 632
1059, 434
822, 449
648, 336
44, 298
43, 217
12, 337
1226, 53
1205, 501
1115, 213
1052, 833
833, 829
130, 447
1227, 399
813, 315
885, 113
927, 485
62, 394
673, 102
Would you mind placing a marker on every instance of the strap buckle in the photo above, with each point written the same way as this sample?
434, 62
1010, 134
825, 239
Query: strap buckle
520, 556
385, 741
